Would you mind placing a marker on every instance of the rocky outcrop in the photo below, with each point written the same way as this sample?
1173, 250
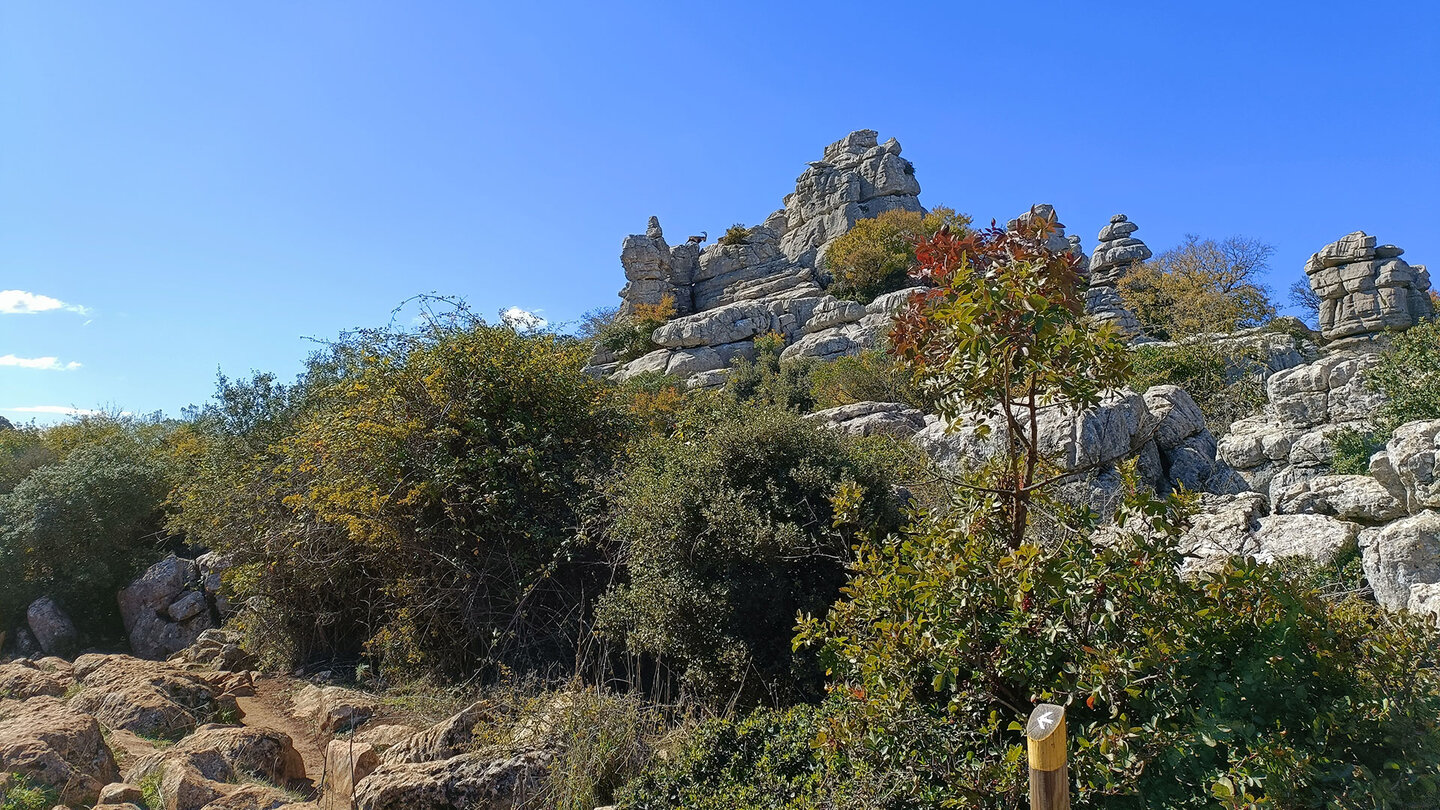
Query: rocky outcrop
22, 678
475, 781
165, 610
148, 698
56, 746
1116, 252
52, 628
655, 271
333, 708
857, 178
346, 763
872, 419
769, 279
1288, 441
1366, 289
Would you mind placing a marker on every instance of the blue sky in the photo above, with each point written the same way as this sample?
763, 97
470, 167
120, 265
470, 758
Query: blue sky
199, 186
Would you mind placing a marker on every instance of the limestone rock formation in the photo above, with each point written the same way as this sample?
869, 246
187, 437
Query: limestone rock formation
56, 746
1288, 441
857, 178
165, 610
654, 270
52, 628
769, 279
872, 419
1366, 289
148, 698
1116, 252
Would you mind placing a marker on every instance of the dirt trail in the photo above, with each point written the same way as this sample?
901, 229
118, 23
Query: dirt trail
269, 708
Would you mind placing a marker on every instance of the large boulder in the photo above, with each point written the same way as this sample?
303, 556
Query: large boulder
148, 698
149, 607
333, 708
1402, 562
474, 781
1359, 498
57, 746
1413, 454
1366, 288
872, 418
52, 628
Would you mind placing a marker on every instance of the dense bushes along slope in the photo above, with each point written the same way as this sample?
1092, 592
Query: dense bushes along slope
462, 498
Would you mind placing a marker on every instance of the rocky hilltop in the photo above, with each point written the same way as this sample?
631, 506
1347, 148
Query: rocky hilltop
1265, 482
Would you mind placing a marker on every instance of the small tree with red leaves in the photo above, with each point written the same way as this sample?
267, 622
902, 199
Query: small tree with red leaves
999, 338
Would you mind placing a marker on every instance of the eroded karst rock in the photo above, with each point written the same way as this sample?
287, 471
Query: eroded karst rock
57, 746
148, 698
1366, 288
51, 626
857, 178
1115, 253
475, 781
151, 604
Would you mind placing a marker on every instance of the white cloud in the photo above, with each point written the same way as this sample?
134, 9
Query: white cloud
62, 410
20, 302
523, 319
42, 363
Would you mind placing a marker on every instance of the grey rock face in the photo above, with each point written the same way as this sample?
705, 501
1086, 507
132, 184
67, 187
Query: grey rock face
1116, 252
654, 270
1289, 440
52, 628
1413, 454
858, 178
146, 608
1365, 288
872, 418
1402, 562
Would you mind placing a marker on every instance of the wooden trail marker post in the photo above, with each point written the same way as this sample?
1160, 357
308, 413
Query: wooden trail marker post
1049, 774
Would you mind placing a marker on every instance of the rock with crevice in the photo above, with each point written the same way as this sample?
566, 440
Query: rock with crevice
148, 698
475, 781
1366, 289
149, 607
1402, 562
57, 746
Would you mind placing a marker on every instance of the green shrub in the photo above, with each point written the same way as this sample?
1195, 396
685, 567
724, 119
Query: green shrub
1351, 450
1408, 374
83, 525
629, 334
765, 761
1227, 385
20, 793
876, 256
1237, 689
736, 234
766, 379
728, 527
416, 494
872, 376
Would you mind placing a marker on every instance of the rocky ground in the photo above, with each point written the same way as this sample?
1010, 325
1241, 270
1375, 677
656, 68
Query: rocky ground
203, 732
